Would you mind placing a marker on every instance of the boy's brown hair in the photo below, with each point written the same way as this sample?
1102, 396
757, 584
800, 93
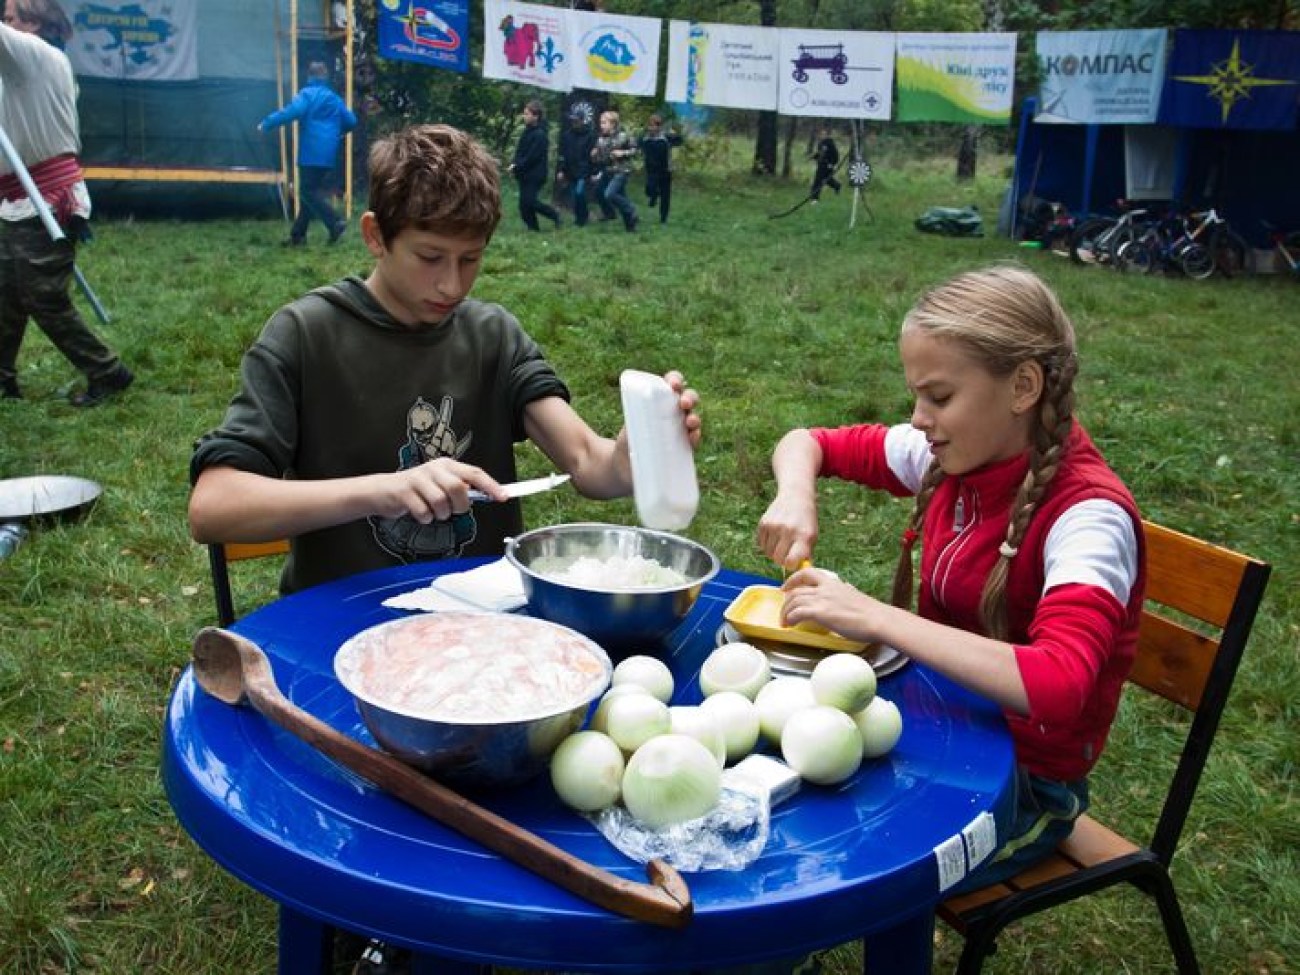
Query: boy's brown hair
435, 178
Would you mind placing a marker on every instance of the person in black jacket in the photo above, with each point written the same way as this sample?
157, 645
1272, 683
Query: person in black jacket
656, 150
827, 156
531, 166
574, 165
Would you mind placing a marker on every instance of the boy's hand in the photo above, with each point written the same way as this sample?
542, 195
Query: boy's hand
433, 491
687, 400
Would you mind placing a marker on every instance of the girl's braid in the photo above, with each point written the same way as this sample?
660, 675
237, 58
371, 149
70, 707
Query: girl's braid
902, 595
1055, 415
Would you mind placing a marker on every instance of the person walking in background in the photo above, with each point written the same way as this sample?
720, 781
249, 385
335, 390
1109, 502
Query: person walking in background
656, 150
827, 156
323, 119
613, 155
530, 166
38, 111
574, 164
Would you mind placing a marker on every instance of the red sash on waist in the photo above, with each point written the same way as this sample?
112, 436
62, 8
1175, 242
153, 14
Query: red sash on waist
54, 177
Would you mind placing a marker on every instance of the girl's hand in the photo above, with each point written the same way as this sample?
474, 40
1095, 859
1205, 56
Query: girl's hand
820, 596
787, 532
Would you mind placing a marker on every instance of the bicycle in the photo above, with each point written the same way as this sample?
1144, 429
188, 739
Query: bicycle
1097, 240
1286, 244
1166, 244
1228, 249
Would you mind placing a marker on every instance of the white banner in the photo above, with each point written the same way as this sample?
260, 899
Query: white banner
836, 74
1103, 77
723, 65
964, 78
615, 53
526, 43
139, 40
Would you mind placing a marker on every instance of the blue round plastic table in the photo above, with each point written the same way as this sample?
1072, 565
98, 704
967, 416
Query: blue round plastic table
868, 858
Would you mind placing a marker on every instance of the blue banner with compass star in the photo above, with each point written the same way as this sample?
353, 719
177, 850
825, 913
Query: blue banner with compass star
1223, 79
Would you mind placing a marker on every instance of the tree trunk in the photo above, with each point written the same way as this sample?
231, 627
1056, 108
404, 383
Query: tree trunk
765, 143
968, 152
791, 130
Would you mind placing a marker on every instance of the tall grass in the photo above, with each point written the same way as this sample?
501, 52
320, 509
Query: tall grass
1189, 387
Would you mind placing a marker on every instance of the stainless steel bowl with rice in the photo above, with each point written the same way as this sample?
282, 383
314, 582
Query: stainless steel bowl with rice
624, 587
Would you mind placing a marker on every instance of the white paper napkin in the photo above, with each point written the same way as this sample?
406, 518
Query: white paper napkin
496, 586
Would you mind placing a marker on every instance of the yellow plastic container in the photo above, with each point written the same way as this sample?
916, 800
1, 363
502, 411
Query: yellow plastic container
756, 613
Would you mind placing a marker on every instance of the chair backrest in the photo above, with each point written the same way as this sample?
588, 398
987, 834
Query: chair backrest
219, 557
1193, 666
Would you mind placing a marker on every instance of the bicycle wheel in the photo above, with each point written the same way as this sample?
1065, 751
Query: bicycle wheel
1196, 261
1135, 257
1084, 245
1228, 252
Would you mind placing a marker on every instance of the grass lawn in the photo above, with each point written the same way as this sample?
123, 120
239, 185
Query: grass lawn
1189, 387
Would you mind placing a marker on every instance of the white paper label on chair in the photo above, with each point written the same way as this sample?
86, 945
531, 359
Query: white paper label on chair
950, 856
981, 837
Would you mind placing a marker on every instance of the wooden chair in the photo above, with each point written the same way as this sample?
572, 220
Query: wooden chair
1221, 589
219, 557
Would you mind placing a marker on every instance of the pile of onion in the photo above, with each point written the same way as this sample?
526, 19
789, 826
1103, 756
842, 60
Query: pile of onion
665, 763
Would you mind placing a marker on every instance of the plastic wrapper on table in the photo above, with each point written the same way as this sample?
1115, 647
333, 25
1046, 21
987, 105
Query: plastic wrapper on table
729, 837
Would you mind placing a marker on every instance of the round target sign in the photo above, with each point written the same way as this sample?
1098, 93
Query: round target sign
859, 173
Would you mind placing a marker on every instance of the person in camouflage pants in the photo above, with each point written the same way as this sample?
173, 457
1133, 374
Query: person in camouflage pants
39, 116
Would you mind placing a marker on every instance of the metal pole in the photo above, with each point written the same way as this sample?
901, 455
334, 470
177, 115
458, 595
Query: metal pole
47, 218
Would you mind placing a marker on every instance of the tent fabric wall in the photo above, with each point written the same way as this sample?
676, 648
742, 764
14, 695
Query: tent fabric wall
1249, 176
204, 129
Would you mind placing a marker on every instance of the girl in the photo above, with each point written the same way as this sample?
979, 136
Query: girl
1032, 566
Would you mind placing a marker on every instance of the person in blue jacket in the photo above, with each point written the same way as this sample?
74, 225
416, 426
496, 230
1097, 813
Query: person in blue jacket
323, 118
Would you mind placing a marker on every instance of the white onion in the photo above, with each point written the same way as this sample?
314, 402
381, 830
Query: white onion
780, 698
633, 719
845, 681
670, 779
738, 667
648, 672
702, 726
822, 744
587, 771
880, 724
737, 716
600, 717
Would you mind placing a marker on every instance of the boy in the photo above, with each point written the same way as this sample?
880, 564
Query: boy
369, 408
656, 150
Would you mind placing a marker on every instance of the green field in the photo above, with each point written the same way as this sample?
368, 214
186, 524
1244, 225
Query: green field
1189, 387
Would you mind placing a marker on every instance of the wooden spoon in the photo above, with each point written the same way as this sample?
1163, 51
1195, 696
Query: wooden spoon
234, 670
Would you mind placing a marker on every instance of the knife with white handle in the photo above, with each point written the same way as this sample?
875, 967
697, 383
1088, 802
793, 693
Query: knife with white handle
521, 489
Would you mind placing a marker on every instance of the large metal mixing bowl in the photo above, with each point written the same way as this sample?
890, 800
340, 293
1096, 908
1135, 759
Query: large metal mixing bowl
621, 619
512, 746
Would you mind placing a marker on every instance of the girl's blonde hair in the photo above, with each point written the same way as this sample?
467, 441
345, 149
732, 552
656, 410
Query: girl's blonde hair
1002, 317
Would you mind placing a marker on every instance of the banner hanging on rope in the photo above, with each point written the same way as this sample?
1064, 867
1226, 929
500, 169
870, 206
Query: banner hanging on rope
836, 74
724, 65
140, 40
432, 32
615, 53
527, 43
966, 78
1100, 77
1232, 79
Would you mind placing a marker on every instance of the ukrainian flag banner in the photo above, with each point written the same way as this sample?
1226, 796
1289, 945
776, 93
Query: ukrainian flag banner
1241, 79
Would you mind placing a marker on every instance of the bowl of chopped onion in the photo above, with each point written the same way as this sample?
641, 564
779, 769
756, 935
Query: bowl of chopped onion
624, 587
474, 699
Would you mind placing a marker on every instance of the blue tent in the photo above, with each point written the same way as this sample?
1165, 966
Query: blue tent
1248, 175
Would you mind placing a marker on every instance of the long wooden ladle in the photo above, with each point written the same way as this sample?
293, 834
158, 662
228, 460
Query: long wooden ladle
234, 670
